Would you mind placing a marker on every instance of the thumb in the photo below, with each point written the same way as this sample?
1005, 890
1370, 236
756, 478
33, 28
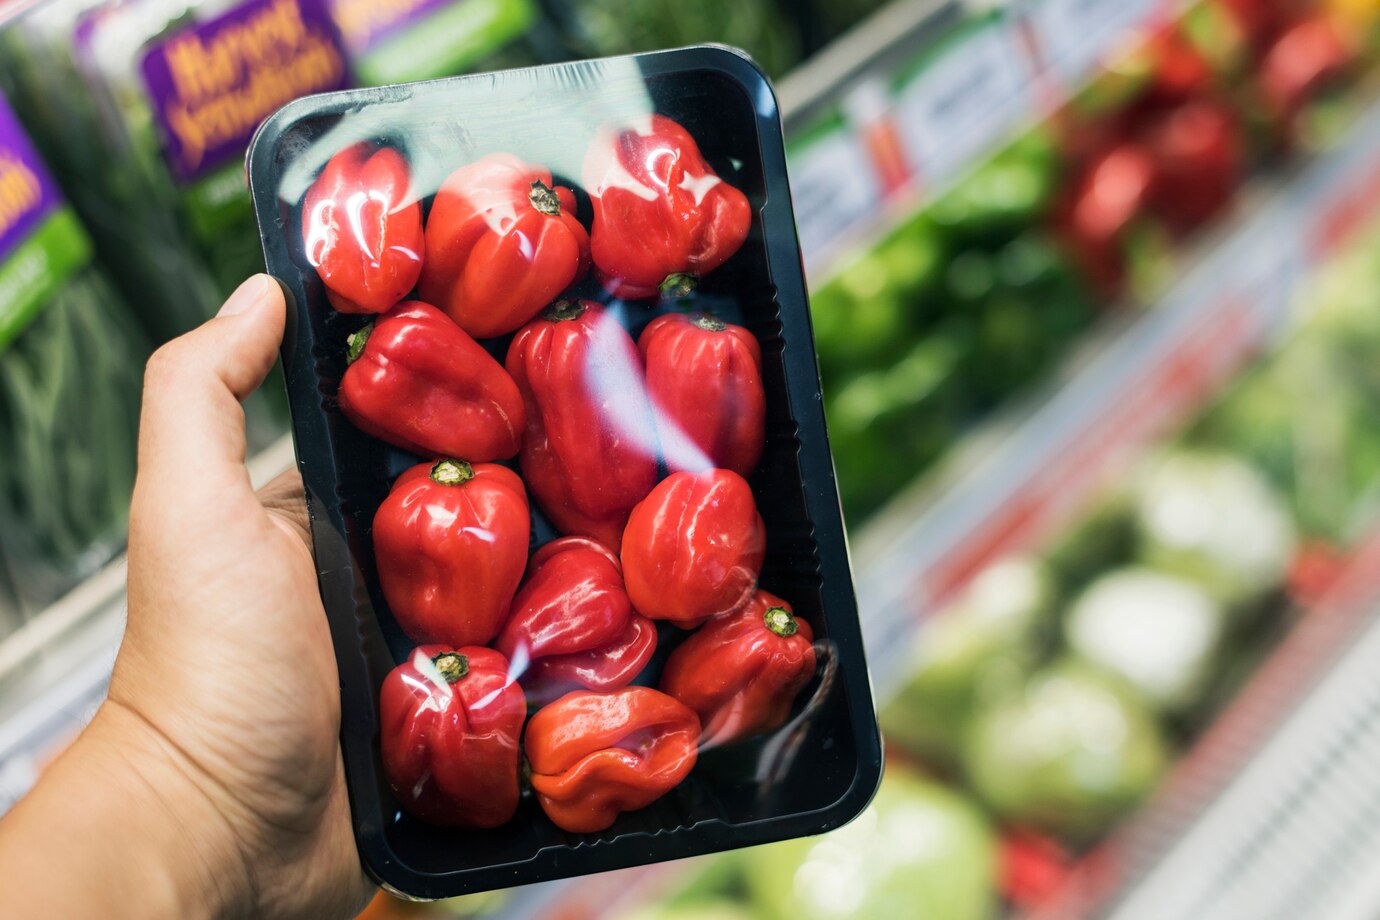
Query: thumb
191, 433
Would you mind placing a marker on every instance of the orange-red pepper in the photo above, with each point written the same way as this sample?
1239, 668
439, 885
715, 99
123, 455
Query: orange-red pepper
362, 227
662, 217
418, 381
740, 673
449, 724
595, 755
704, 377
693, 548
450, 543
572, 625
589, 453
502, 242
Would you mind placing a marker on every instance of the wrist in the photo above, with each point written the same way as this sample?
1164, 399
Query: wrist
181, 856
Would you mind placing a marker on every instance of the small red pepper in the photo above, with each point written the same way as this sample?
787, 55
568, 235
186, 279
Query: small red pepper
662, 217
573, 622
450, 542
589, 453
740, 673
501, 243
363, 229
417, 381
449, 724
704, 377
693, 548
594, 755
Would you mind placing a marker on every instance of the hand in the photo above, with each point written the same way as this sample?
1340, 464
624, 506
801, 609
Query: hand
218, 746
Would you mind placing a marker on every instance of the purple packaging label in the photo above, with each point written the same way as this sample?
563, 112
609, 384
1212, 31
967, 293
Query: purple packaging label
212, 84
28, 193
365, 23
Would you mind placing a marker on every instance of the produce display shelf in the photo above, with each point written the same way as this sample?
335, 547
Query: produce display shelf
1275, 813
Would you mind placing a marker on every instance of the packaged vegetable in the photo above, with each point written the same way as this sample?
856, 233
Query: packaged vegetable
576, 466
71, 369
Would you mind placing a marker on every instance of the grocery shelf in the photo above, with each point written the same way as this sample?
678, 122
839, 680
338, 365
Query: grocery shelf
1275, 813
55, 668
1023, 474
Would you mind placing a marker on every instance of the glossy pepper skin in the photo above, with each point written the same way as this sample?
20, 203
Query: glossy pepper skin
417, 381
595, 755
741, 673
589, 453
662, 216
450, 543
572, 625
449, 724
501, 243
704, 377
693, 548
363, 229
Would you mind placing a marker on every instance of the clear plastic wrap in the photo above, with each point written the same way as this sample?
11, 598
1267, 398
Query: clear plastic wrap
557, 410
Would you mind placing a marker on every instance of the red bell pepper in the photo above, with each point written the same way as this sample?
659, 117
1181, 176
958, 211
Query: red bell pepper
362, 226
740, 673
594, 755
417, 381
704, 377
502, 242
662, 217
1306, 58
449, 724
589, 454
572, 624
450, 543
693, 548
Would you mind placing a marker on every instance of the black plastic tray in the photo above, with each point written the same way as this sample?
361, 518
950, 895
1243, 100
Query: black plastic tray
821, 769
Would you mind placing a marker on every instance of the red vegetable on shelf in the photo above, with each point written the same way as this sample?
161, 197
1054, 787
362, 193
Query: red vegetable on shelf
362, 226
419, 382
662, 217
572, 626
502, 241
693, 548
589, 454
704, 377
449, 724
1302, 62
450, 542
1199, 161
595, 755
741, 673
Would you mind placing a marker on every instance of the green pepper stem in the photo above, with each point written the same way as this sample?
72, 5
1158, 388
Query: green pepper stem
544, 198
709, 323
679, 284
452, 472
780, 621
355, 342
452, 665
563, 310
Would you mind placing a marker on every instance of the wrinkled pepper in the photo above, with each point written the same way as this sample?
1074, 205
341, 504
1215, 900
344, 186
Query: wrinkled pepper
704, 377
572, 625
362, 227
693, 548
740, 673
589, 453
450, 542
502, 242
419, 382
449, 724
595, 755
662, 217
